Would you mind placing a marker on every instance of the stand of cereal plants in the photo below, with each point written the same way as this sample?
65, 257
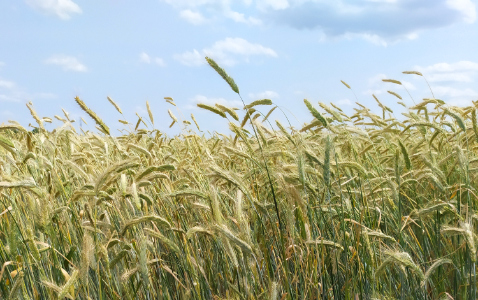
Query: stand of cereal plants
358, 206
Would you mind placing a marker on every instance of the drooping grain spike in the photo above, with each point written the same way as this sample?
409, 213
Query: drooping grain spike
392, 81
413, 72
259, 102
395, 94
114, 104
35, 116
230, 111
316, 113
150, 113
92, 114
344, 83
172, 115
212, 109
223, 74
405, 155
195, 122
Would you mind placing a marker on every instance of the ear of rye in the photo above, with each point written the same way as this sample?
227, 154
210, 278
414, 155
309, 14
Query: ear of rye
223, 74
92, 115
150, 113
315, 113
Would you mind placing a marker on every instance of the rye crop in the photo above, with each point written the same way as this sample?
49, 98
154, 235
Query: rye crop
360, 206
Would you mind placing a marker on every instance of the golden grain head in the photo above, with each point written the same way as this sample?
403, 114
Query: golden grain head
392, 81
344, 83
413, 72
172, 115
115, 105
395, 94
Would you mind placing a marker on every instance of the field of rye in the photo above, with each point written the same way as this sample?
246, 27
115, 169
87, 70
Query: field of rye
360, 206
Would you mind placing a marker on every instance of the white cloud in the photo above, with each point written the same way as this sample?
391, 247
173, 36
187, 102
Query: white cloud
6, 84
159, 61
7, 98
264, 95
144, 57
444, 92
376, 79
60, 8
226, 52
241, 18
274, 4
212, 101
6, 113
375, 92
408, 85
240, 46
455, 96
190, 10
190, 58
454, 74
378, 87
457, 77
376, 82
462, 71
198, 3
466, 7
141, 110
192, 17
11, 92
343, 102
459, 66
372, 38
147, 59
45, 96
68, 63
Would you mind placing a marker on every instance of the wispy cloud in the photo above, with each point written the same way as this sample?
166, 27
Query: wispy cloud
159, 61
68, 63
462, 71
212, 101
273, 4
6, 84
343, 102
62, 9
455, 96
264, 95
190, 10
377, 83
226, 52
451, 92
12, 92
449, 82
190, 58
7, 113
241, 18
379, 88
144, 58
466, 7
147, 59
192, 17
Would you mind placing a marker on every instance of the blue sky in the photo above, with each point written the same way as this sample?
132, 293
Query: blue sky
284, 50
